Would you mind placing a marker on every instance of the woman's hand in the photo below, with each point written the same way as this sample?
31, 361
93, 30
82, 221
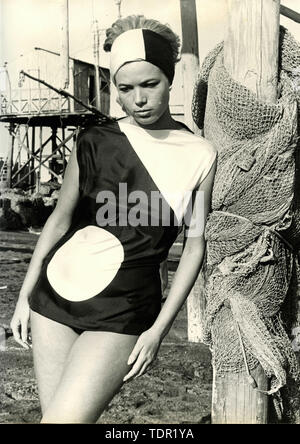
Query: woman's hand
19, 322
143, 353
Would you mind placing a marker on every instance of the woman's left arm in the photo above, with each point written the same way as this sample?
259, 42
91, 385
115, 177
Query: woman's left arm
148, 343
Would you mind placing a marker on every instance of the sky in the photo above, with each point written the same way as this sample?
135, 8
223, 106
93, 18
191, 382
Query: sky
25, 24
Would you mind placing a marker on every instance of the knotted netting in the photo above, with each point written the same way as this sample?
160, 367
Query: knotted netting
250, 260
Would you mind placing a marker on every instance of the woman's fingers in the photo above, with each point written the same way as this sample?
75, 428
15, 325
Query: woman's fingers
24, 332
135, 352
143, 369
143, 353
19, 323
136, 368
140, 366
19, 332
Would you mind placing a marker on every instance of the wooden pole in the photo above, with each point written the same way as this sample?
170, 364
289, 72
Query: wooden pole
189, 57
53, 144
38, 174
289, 13
190, 67
96, 57
251, 58
28, 145
65, 43
118, 3
63, 151
10, 156
251, 45
31, 164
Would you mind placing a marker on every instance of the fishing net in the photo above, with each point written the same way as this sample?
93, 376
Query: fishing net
252, 232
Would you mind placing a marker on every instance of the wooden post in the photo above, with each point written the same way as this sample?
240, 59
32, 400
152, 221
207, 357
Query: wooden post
118, 3
63, 151
31, 164
38, 174
96, 64
190, 67
190, 57
10, 156
53, 146
251, 58
251, 45
65, 43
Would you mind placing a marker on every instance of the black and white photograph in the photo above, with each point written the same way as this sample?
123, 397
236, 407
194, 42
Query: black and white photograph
149, 214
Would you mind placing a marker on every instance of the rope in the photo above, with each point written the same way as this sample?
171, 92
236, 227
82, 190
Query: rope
266, 227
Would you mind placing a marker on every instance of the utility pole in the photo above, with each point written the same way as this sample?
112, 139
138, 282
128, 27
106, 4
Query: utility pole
65, 44
96, 45
118, 3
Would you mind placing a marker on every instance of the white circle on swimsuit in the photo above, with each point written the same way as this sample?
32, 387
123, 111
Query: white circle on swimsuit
86, 264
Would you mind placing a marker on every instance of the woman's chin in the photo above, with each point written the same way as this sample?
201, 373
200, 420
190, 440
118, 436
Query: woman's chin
145, 120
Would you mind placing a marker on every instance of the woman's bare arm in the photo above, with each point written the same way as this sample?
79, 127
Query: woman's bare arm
56, 225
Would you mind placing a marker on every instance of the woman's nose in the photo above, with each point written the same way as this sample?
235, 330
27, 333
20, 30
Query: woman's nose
140, 97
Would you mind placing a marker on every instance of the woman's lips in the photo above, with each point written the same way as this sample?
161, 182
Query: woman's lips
144, 113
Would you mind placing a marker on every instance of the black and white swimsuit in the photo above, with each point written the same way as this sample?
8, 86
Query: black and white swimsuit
103, 274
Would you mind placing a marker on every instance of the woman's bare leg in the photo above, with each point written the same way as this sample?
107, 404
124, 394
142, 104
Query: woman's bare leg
93, 374
51, 344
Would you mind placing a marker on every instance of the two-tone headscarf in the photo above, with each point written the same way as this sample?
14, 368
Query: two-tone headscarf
142, 44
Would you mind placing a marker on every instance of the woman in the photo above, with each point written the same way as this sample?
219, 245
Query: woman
93, 289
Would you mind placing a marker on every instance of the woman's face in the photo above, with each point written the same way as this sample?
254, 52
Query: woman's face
143, 91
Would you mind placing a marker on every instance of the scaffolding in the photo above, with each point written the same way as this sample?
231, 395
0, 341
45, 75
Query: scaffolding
42, 122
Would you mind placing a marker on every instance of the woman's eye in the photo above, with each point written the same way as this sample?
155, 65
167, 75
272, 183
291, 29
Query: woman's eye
152, 85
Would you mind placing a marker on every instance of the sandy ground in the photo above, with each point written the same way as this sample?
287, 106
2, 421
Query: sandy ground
176, 390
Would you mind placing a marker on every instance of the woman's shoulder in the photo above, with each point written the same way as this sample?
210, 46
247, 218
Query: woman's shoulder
203, 146
93, 128
206, 146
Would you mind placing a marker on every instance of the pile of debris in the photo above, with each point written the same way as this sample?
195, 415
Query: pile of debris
20, 210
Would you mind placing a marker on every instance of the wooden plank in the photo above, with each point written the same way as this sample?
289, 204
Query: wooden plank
251, 58
289, 13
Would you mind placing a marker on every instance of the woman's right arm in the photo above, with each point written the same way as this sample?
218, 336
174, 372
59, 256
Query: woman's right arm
55, 227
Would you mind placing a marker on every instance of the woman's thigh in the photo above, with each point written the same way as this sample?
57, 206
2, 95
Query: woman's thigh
51, 344
94, 372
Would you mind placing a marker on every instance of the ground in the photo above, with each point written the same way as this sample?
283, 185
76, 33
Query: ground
176, 390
